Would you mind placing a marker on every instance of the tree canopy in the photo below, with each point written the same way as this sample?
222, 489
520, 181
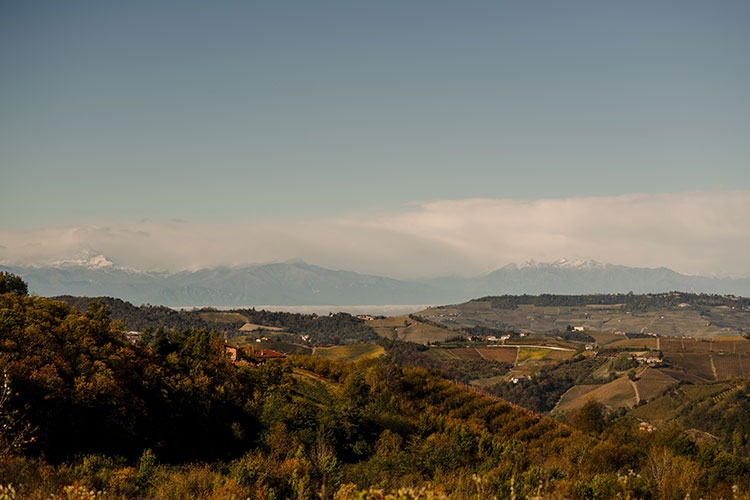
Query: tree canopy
11, 283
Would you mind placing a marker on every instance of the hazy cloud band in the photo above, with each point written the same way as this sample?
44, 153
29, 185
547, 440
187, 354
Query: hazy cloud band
693, 232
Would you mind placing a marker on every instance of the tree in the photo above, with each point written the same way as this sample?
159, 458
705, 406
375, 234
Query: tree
590, 417
13, 433
10, 283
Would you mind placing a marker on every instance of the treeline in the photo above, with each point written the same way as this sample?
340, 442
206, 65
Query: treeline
630, 301
141, 317
333, 329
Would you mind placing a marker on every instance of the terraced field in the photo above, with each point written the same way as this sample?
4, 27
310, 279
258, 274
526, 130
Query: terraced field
731, 366
518, 355
651, 383
670, 405
697, 364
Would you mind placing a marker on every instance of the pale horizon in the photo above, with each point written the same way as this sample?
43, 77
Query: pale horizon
694, 233
402, 140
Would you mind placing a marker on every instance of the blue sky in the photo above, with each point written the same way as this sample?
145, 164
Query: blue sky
238, 112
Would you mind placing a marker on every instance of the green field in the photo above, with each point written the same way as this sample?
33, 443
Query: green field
528, 354
354, 352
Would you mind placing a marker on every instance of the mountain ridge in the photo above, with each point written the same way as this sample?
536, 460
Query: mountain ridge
296, 283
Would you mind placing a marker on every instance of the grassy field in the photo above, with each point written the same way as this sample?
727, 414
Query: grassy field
572, 396
314, 387
617, 394
353, 352
222, 317
405, 328
530, 354
252, 327
284, 347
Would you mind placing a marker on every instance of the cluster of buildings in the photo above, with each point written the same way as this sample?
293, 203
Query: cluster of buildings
248, 355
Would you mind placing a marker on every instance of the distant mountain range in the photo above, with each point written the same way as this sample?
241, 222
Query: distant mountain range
297, 283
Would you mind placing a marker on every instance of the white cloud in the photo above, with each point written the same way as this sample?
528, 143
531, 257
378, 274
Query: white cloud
693, 232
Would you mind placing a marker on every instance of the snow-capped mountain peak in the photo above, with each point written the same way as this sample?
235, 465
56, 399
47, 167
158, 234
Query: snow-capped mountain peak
563, 264
87, 259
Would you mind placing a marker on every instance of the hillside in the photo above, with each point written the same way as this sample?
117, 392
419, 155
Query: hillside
307, 428
334, 328
668, 314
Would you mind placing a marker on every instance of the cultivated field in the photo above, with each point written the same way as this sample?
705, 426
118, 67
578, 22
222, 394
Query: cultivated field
353, 352
619, 393
500, 354
644, 343
688, 321
651, 383
252, 327
668, 406
465, 353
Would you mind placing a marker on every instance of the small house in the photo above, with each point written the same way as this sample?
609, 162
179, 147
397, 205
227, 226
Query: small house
264, 355
230, 352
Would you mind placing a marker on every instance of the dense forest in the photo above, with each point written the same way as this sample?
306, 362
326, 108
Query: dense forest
88, 413
630, 301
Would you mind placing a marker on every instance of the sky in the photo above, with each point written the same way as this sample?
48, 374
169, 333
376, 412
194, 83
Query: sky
401, 138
